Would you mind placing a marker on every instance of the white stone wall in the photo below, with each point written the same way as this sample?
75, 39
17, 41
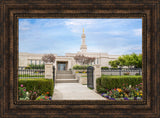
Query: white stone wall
101, 58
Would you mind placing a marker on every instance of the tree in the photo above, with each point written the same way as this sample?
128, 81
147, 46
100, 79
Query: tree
83, 59
114, 64
48, 58
132, 60
121, 61
139, 63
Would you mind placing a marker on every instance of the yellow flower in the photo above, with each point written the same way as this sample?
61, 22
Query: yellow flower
126, 95
119, 90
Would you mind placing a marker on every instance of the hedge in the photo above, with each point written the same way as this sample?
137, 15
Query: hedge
105, 67
33, 66
111, 82
43, 85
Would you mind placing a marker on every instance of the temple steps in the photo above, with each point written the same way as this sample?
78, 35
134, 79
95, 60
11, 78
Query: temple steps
65, 77
64, 72
66, 81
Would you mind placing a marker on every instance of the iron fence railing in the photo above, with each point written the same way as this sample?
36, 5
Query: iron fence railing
121, 71
25, 72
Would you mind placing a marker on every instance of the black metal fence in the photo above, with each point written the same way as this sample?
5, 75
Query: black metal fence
121, 71
26, 72
54, 75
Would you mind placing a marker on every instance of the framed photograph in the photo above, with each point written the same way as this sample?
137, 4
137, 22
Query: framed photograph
79, 58
69, 71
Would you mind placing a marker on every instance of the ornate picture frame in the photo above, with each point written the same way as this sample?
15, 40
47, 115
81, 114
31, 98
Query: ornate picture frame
11, 10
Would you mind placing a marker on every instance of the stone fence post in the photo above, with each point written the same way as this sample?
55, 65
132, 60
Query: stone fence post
96, 74
49, 71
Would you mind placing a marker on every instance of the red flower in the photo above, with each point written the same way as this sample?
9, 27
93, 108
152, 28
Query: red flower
114, 88
41, 99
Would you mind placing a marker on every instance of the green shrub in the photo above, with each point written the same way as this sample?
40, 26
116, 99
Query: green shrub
127, 73
22, 92
100, 89
137, 74
105, 67
33, 66
41, 85
111, 82
80, 67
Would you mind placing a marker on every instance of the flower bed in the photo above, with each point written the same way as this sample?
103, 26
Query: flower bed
111, 82
32, 95
33, 88
124, 93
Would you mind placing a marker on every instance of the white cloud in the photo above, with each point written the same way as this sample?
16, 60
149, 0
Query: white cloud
107, 36
138, 32
79, 22
76, 25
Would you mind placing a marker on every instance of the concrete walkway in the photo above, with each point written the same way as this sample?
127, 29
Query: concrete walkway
74, 91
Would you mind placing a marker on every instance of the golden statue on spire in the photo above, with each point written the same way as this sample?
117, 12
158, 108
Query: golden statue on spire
83, 30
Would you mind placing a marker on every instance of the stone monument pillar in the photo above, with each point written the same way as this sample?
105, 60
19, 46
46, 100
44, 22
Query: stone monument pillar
83, 46
96, 74
49, 71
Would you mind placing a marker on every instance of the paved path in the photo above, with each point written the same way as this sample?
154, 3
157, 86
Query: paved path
74, 91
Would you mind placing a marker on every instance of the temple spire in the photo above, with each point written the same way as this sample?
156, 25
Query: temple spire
83, 46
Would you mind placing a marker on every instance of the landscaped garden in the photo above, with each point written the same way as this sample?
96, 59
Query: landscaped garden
27, 75
120, 87
35, 89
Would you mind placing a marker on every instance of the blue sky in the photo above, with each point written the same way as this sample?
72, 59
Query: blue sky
60, 36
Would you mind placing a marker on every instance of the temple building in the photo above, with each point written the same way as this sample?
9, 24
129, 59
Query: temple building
67, 62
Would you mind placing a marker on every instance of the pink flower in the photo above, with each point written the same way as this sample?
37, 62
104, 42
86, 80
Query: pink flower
21, 85
24, 89
34, 92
